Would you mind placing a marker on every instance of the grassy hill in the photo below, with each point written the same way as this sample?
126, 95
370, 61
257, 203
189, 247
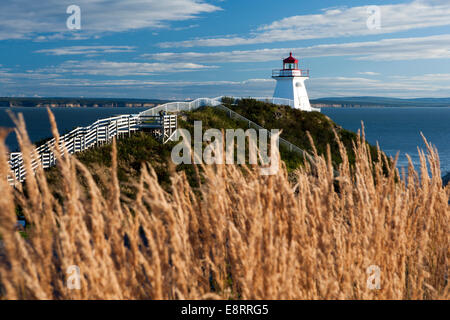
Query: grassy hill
142, 147
295, 124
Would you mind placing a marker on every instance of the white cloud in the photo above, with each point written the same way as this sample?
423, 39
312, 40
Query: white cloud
160, 89
145, 83
21, 19
369, 73
119, 69
86, 50
7, 74
191, 26
421, 85
431, 47
427, 85
333, 23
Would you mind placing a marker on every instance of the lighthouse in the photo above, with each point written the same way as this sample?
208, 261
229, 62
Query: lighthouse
291, 84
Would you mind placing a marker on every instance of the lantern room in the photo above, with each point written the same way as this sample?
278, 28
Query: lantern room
290, 63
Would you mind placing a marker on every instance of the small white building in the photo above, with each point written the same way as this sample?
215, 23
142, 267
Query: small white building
291, 84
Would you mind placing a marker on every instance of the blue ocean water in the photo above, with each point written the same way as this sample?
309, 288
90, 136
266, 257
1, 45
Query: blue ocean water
38, 125
395, 129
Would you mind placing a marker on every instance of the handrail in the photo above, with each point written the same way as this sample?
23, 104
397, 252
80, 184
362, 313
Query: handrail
216, 102
284, 142
192, 105
80, 139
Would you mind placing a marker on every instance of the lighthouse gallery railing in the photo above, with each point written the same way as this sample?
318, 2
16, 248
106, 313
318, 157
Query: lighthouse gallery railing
290, 72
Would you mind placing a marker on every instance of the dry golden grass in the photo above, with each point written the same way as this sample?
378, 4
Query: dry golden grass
242, 236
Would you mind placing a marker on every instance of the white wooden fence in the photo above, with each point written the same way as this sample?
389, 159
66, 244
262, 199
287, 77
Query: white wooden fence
192, 105
82, 138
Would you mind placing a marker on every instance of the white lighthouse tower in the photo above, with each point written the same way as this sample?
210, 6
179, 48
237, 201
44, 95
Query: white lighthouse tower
291, 84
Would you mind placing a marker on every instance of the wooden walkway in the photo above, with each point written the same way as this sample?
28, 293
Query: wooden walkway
82, 138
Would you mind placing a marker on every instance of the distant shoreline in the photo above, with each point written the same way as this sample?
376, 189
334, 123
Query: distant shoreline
378, 102
376, 106
332, 102
84, 106
151, 105
78, 103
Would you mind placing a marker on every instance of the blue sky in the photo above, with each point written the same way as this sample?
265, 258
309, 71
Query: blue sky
183, 49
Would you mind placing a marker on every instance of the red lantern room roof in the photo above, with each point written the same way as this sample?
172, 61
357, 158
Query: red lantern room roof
291, 59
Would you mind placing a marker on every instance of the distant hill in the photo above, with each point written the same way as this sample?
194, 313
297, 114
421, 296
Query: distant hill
78, 102
338, 102
352, 102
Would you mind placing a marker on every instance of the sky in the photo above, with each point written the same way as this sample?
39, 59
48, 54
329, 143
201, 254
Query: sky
185, 49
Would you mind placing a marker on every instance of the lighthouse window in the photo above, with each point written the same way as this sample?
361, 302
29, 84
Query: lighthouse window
290, 66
